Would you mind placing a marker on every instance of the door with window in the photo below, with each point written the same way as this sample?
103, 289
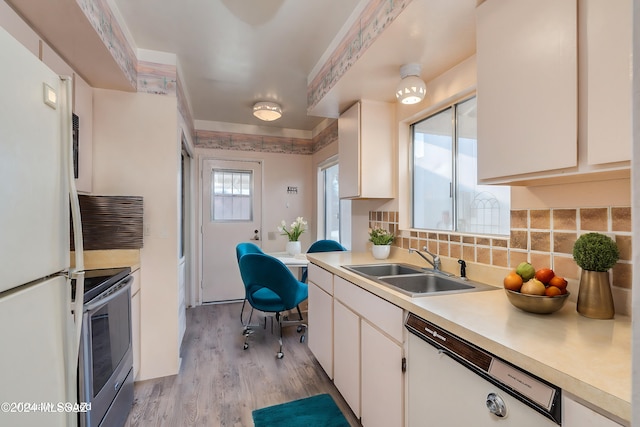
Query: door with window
231, 200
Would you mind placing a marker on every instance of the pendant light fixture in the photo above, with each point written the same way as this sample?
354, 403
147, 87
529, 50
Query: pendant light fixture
411, 88
267, 111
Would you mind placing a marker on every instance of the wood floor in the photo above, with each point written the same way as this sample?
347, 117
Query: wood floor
219, 383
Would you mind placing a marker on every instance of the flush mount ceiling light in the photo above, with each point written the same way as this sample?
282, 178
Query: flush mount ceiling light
411, 88
267, 111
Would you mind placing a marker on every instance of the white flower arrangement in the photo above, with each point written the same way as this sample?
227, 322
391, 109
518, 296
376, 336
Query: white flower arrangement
296, 228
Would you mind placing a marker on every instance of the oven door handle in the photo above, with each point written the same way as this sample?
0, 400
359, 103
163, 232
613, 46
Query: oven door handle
93, 304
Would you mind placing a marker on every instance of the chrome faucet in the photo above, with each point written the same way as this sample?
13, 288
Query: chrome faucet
436, 264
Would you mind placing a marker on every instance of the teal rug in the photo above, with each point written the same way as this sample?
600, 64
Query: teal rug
314, 411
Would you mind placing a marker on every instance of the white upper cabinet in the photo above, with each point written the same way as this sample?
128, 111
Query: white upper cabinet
365, 142
527, 86
554, 90
607, 76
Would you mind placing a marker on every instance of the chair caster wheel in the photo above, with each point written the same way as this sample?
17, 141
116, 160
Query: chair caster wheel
280, 355
299, 329
302, 338
245, 346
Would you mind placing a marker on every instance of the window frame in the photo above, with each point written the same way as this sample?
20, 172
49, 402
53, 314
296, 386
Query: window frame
344, 209
214, 195
454, 191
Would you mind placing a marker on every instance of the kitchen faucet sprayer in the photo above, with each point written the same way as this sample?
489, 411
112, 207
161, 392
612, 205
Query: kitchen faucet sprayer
463, 269
436, 264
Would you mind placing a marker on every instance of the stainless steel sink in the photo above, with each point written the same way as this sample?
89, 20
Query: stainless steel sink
379, 270
414, 281
426, 284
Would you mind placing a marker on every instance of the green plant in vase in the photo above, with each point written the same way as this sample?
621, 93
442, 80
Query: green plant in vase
380, 236
381, 240
595, 254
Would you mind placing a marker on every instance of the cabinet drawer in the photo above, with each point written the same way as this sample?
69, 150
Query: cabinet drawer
377, 311
321, 277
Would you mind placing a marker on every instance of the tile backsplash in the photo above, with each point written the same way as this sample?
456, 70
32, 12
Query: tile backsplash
543, 237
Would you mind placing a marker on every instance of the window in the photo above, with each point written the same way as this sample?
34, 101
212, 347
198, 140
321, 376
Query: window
231, 195
333, 214
331, 203
446, 195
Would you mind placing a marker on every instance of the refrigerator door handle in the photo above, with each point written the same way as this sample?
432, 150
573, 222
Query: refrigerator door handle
67, 138
78, 272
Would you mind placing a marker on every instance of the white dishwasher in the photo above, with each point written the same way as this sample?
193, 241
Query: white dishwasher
452, 383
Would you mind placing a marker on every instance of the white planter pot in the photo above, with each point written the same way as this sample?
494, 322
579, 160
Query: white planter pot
294, 248
381, 251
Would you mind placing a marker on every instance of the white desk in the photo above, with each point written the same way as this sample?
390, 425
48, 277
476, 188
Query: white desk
291, 261
299, 262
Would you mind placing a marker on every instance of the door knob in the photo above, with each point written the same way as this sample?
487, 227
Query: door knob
256, 235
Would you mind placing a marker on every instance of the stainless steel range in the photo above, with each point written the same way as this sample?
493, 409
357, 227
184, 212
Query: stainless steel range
105, 372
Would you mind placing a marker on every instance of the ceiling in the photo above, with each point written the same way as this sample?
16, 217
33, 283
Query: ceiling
233, 53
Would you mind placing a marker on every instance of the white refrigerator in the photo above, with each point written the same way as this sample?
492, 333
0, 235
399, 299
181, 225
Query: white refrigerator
39, 333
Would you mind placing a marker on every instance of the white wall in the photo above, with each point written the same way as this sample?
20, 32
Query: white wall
137, 152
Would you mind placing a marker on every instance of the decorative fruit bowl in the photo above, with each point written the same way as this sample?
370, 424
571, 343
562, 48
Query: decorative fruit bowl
535, 303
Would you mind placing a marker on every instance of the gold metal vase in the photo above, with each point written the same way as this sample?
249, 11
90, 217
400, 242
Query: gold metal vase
594, 297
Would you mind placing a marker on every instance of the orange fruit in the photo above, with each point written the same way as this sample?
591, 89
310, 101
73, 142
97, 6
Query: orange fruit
552, 291
513, 281
558, 282
544, 275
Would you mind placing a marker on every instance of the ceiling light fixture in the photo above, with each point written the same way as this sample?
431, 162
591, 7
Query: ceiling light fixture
411, 88
267, 111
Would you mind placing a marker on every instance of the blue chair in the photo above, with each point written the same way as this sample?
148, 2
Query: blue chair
243, 249
264, 272
322, 246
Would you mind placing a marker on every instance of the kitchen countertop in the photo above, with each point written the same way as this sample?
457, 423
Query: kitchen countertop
588, 358
111, 258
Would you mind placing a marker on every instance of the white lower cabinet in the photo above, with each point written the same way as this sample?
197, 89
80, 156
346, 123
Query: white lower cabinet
346, 353
575, 414
368, 355
358, 337
320, 316
382, 379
